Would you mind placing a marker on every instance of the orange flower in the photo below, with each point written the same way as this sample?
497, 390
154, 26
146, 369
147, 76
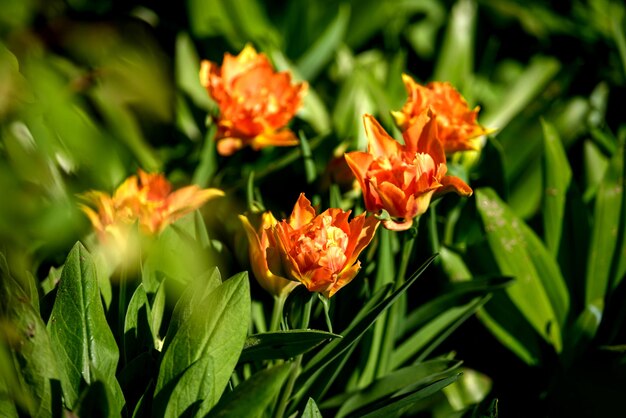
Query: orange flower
146, 199
255, 101
258, 244
319, 251
402, 179
456, 122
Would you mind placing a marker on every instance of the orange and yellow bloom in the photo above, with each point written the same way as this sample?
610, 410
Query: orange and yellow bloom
146, 199
258, 244
402, 179
319, 251
457, 124
255, 102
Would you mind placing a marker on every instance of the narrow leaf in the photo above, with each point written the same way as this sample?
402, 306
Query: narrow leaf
390, 407
320, 53
138, 334
606, 227
408, 377
557, 177
283, 344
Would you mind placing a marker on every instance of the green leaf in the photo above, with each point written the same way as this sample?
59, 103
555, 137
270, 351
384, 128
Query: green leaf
126, 127
138, 334
361, 323
31, 349
456, 57
595, 164
432, 334
207, 166
190, 301
402, 379
217, 330
81, 338
179, 252
252, 396
452, 296
606, 230
238, 22
319, 54
311, 410
395, 404
527, 86
158, 308
96, 401
583, 330
195, 387
557, 177
539, 292
188, 72
283, 344
12, 394
511, 328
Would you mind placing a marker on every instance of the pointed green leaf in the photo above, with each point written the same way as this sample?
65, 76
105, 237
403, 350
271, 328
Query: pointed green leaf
539, 291
433, 333
283, 344
311, 410
252, 396
158, 308
402, 379
81, 338
605, 236
217, 330
557, 177
188, 72
196, 386
527, 86
319, 54
138, 334
456, 57
391, 406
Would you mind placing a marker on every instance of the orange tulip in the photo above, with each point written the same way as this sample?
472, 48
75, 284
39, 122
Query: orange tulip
255, 101
402, 179
147, 199
456, 122
257, 249
319, 251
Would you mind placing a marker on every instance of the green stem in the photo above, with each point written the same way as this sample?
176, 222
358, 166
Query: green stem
121, 309
277, 312
407, 250
326, 305
295, 369
433, 235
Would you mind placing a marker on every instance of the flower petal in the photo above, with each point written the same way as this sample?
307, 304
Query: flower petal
379, 141
302, 212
